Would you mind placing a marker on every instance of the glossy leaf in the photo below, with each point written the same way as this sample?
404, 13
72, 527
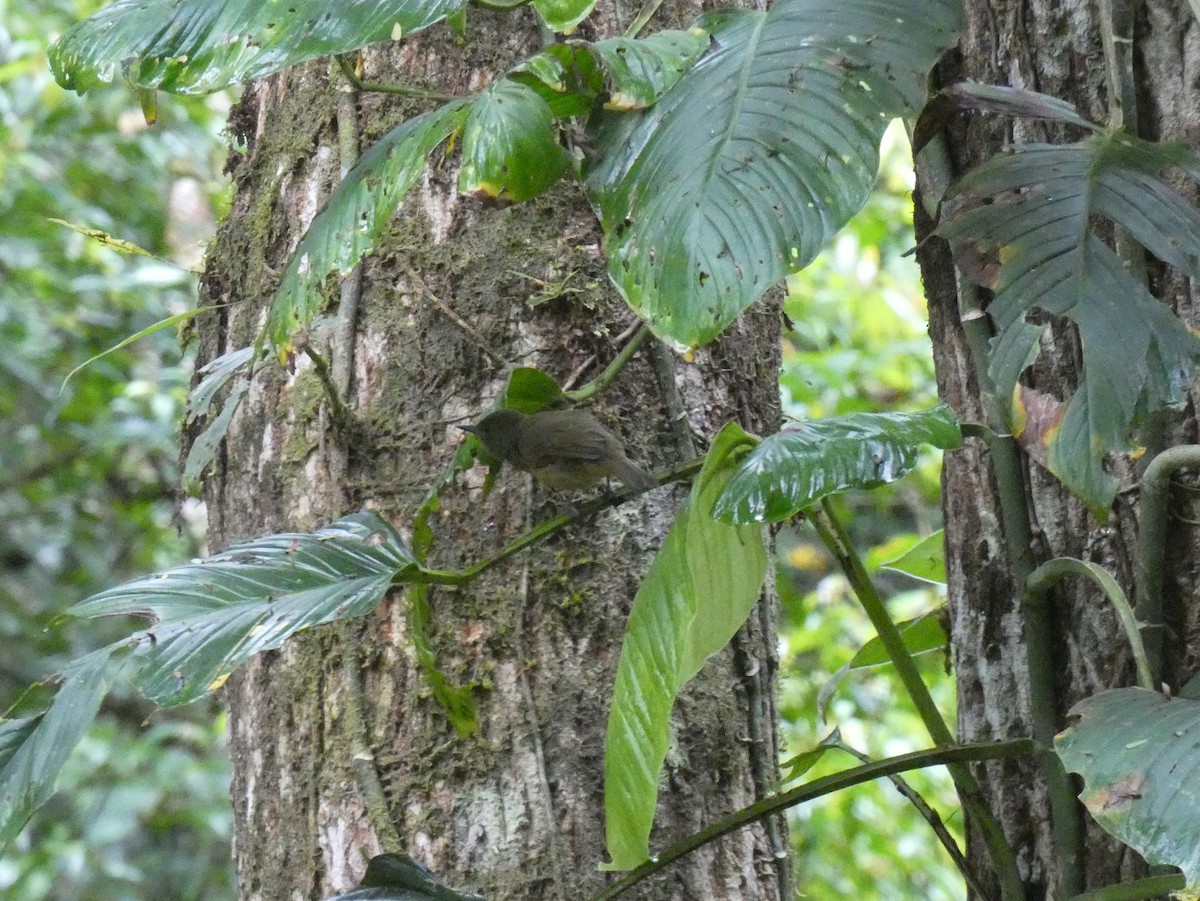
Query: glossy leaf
1033, 212
530, 390
698, 592
197, 46
1136, 752
795, 468
510, 145
214, 614
563, 15
623, 73
355, 216
761, 152
33, 749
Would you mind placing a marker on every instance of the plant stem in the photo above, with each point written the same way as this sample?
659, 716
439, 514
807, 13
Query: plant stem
837, 541
1152, 547
1050, 573
604, 379
1152, 887
956, 756
404, 90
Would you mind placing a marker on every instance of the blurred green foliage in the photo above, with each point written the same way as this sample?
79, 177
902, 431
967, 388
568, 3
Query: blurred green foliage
87, 470
859, 343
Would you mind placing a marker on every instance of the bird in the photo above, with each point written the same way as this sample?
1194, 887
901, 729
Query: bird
564, 449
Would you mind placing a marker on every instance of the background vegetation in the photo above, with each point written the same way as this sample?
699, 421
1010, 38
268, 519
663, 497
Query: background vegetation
88, 496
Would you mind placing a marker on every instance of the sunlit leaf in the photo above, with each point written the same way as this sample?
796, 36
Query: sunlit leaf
1033, 211
761, 152
698, 592
197, 46
1136, 752
922, 635
531, 390
563, 15
795, 468
355, 216
925, 560
510, 149
214, 614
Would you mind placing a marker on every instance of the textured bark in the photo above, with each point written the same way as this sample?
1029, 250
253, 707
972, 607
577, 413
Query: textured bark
514, 811
1052, 46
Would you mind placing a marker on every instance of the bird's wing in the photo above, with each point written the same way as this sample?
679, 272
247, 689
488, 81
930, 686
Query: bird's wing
585, 447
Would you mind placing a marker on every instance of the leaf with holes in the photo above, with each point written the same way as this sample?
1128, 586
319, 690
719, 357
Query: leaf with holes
510, 145
355, 216
1136, 752
214, 614
760, 153
795, 468
1033, 211
198, 46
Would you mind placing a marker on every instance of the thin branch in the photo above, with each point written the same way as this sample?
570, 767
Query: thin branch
404, 90
957, 756
606, 378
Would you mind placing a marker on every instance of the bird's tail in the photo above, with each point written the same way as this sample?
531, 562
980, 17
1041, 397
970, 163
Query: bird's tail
633, 476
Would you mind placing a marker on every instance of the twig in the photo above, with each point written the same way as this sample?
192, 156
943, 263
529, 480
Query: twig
404, 90
606, 378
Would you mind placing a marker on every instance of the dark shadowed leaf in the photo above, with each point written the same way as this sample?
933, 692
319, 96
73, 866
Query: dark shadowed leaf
355, 216
1136, 752
698, 592
33, 749
1034, 210
214, 614
197, 46
397, 877
991, 98
761, 152
795, 468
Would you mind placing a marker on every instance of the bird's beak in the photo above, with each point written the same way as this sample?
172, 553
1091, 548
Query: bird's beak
469, 428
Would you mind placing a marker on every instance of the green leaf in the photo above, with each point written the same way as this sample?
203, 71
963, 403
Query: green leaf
795, 468
563, 15
355, 216
760, 153
456, 700
399, 871
698, 592
215, 374
168, 322
531, 390
638, 72
925, 560
922, 635
510, 146
197, 46
624, 73
1033, 210
33, 749
991, 98
1136, 752
208, 442
213, 614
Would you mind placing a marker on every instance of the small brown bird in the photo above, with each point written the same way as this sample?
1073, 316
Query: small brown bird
564, 449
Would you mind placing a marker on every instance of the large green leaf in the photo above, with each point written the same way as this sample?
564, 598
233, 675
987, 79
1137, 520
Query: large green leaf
563, 15
795, 468
698, 592
33, 749
197, 46
510, 145
1136, 752
762, 151
1033, 211
356, 214
212, 615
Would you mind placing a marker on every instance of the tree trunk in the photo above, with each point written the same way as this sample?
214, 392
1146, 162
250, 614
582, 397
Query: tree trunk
514, 811
1056, 48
